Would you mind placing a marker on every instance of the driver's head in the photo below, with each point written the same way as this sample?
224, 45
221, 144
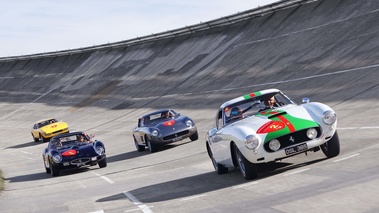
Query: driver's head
81, 138
236, 113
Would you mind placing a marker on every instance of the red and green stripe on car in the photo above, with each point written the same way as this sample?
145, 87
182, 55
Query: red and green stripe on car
281, 123
252, 95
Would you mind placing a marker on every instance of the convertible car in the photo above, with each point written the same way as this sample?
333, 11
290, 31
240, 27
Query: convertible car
267, 126
73, 150
45, 129
163, 127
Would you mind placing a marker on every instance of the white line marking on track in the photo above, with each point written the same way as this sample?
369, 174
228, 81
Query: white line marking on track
140, 205
347, 157
363, 127
295, 172
103, 177
245, 185
100, 211
193, 197
134, 210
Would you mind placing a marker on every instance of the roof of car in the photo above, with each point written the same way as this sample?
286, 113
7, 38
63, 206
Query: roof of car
248, 96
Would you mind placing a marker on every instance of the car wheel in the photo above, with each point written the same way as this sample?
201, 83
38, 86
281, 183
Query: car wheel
248, 170
194, 136
139, 148
151, 146
54, 170
103, 163
219, 168
332, 147
47, 167
41, 138
35, 139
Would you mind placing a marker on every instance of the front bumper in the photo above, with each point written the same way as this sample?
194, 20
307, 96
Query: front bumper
79, 162
173, 136
262, 156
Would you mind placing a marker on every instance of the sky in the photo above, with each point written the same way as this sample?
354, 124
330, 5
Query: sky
39, 26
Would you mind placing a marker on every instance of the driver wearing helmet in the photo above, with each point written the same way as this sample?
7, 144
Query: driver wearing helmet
235, 114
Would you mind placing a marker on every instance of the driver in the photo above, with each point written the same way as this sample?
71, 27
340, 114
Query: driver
235, 114
81, 138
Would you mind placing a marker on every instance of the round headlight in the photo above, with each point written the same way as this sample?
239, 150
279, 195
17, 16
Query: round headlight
329, 117
274, 145
154, 133
312, 133
251, 142
99, 150
189, 123
57, 158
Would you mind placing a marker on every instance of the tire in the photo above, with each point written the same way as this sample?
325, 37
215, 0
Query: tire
332, 147
103, 163
41, 138
47, 167
219, 168
194, 136
139, 148
248, 170
151, 146
54, 170
35, 139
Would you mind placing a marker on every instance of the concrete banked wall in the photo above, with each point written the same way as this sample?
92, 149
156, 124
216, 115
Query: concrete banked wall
323, 49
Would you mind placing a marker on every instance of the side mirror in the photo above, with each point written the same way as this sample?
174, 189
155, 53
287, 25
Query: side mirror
305, 100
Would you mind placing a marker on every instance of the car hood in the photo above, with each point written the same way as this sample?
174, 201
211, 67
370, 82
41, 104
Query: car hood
277, 122
82, 149
169, 123
54, 127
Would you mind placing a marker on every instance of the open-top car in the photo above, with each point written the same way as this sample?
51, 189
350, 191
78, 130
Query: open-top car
267, 126
45, 129
163, 127
73, 150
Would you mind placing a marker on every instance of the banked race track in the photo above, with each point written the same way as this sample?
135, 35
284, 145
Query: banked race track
327, 50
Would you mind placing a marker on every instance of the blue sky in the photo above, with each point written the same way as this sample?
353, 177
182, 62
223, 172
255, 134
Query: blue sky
37, 26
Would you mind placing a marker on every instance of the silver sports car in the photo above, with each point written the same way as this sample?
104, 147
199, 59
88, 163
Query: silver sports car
267, 126
163, 127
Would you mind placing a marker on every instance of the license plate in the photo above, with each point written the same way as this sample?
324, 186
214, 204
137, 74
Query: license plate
299, 148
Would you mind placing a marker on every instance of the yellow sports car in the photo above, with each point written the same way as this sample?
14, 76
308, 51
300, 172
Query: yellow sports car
45, 129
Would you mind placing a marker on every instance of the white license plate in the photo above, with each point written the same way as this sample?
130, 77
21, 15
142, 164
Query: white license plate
295, 149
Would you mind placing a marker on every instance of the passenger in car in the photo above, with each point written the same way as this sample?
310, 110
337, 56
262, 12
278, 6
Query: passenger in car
269, 103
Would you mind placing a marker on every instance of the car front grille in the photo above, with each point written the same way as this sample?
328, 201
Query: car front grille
179, 134
80, 161
292, 139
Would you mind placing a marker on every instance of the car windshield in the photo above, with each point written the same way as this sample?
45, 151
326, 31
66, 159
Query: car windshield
159, 117
47, 122
69, 140
253, 106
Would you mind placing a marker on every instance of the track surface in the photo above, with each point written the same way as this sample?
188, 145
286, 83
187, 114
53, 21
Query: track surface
326, 50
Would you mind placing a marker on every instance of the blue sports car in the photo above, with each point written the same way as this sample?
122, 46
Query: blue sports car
163, 127
73, 150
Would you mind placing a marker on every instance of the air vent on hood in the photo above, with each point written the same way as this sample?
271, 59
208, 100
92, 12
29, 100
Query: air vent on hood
274, 114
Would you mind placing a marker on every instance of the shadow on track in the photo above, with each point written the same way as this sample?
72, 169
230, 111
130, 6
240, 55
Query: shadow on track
203, 183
